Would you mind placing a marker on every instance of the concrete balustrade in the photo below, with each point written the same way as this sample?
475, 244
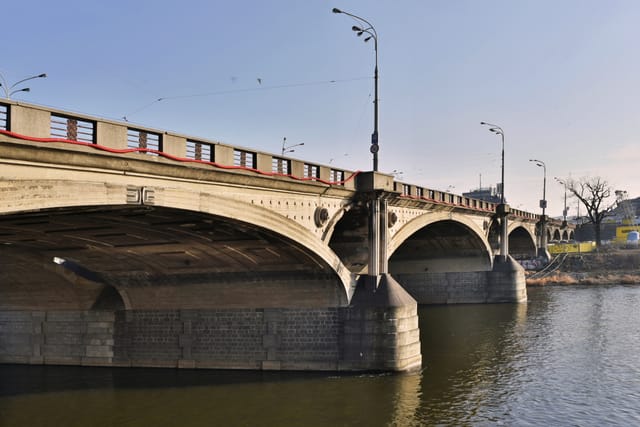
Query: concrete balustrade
35, 122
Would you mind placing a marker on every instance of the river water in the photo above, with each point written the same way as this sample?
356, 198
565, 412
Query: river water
570, 356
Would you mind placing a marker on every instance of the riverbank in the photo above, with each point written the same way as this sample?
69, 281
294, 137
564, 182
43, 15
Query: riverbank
609, 266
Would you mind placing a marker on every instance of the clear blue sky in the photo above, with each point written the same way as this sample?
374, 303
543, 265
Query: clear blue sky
562, 78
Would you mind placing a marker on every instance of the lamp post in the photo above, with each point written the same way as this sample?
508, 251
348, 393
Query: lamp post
542, 250
565, 210
371, 31
543, 202
9, 90
498, 131
503, 208
288, 149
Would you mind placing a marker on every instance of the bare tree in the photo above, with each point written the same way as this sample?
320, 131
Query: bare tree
592, 192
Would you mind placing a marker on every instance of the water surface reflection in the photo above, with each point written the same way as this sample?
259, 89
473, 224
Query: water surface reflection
571, 356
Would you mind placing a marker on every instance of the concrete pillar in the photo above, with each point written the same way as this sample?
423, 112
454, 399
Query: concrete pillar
384, 235
543, 251
223, 154
174, 145
381, 323
111, 135
381, 327
374, 237
30, 121
264, 162
506, 282
502, 212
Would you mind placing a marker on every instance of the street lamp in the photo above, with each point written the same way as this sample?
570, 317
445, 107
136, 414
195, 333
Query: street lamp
288, 149
565, 210
543, 204
498, 131
503, 209
372, 34
8, 90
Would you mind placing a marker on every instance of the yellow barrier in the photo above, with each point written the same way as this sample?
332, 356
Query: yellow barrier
560, 248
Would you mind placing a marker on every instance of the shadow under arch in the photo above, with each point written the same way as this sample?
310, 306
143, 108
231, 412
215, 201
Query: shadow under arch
35, 195
147, 257
522, 244
439, 242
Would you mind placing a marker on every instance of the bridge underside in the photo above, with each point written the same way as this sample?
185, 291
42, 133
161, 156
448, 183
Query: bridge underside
444, 246
448, 263
154, 258
159, 287
521, 244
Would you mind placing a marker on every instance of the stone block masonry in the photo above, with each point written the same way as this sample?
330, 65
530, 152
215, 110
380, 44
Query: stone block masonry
329, 339
504, 283
288, 339
229, 338
57, 338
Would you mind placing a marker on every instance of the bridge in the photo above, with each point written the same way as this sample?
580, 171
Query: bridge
123, 245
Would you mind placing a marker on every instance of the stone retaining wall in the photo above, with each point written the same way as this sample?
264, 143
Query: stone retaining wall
57, 338
232, 338
505, 283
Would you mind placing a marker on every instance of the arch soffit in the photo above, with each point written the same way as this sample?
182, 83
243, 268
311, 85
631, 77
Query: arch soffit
214, 204
274, 222
516, 226
513, 225
422, 221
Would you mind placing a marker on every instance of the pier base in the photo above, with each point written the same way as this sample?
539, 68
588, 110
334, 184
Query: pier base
506, 281
381, 327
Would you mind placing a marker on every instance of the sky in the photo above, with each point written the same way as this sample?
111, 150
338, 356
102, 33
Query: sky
561, 77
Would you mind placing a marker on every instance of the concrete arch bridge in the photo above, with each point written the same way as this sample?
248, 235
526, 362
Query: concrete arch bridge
125, 246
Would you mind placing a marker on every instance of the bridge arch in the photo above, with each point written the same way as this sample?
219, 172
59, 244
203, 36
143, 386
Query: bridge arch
522, 243
439, 242
277, 242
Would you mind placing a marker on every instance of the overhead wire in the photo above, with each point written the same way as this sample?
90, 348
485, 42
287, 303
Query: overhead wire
232, 91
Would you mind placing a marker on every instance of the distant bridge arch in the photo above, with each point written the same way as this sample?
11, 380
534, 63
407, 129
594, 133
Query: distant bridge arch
522, 241
440, 241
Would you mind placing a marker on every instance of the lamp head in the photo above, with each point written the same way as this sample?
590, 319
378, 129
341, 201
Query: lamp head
42, 75
336, 10
356, 28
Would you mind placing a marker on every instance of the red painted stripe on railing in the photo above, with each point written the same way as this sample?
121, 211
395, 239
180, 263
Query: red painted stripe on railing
175, 158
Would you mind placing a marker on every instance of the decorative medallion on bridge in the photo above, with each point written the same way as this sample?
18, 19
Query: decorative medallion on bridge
392, 218
321, 216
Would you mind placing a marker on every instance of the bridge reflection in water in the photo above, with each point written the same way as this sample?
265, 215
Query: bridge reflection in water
464, 346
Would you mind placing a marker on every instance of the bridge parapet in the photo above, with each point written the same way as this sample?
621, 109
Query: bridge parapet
27, 122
